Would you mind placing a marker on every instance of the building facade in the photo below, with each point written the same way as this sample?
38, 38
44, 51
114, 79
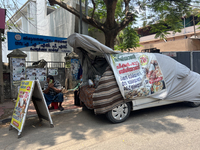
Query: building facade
36, 17
186, 40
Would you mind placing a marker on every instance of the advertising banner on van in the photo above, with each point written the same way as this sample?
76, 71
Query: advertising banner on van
21, 105
137, 74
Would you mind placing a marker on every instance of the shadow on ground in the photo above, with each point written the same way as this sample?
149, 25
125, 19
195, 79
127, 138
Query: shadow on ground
85, 125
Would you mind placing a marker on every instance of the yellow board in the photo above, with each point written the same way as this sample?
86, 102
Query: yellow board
21, 106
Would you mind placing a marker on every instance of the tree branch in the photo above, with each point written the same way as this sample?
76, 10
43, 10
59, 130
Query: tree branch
126, 6
94, 5
85, 18
129, 18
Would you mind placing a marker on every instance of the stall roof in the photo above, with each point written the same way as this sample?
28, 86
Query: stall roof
89, 44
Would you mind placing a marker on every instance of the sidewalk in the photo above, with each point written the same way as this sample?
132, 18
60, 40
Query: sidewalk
6, 108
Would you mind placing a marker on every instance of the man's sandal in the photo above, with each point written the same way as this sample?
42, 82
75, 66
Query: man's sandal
51, 108
60, 108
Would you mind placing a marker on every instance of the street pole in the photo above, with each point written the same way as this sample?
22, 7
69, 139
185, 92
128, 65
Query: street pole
86, 13
80, 16
1, 75
194, 27
86, 7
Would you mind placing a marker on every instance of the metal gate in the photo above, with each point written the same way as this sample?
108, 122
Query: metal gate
60, 66
189, 59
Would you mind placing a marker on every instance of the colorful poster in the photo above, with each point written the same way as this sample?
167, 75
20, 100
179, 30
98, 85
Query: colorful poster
53, 71
137, 74
18, 69
18, 62
36, 74
21, 106
75, 66
18, 77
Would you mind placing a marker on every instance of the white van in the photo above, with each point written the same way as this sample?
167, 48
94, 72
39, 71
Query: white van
130, 81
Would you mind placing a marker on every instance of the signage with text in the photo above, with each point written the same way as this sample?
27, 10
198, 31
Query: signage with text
37, 43
137, 74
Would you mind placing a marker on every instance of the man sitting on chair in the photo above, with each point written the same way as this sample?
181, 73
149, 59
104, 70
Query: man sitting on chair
52, 92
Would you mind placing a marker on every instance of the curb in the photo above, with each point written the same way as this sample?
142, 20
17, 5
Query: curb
4, 121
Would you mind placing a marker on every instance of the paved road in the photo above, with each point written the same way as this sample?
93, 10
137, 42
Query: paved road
172, 127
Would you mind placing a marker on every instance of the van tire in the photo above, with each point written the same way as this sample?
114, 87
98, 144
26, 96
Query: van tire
119, 113
193, 104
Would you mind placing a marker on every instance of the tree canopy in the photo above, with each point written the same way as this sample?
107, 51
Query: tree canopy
112, 16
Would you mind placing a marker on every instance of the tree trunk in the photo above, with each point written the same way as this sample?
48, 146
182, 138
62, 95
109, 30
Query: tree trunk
110, 39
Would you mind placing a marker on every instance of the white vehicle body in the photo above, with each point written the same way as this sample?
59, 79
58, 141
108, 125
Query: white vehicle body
149, 102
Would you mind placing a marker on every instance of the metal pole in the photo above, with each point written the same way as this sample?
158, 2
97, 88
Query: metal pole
191, 60
86, 7
194, 27
80, 16
1, 75
86, 13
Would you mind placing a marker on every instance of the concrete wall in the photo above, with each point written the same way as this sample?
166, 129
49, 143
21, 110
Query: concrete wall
6, 80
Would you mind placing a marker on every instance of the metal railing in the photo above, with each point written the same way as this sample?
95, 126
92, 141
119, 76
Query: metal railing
50, 64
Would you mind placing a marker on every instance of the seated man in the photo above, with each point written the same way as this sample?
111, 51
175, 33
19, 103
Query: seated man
52, 92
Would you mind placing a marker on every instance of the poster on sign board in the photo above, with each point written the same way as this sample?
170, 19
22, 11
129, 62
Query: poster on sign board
137, 74
22, 104
75, 66
36, 74
53, 71
18, 67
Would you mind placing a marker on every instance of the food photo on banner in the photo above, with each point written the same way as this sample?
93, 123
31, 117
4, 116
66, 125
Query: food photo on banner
21, 106
138, 74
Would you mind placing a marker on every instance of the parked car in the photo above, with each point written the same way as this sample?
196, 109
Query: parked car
126, 82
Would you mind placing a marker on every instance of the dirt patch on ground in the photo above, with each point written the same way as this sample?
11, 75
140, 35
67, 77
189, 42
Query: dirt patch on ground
7, 113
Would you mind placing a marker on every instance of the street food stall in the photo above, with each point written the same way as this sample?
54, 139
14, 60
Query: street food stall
114, 83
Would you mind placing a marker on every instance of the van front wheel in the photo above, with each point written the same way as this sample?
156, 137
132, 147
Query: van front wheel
120, 113
193, 104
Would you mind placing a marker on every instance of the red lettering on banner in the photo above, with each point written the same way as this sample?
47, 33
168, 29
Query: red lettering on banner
129, 69
127, 65
155, 80
16, 124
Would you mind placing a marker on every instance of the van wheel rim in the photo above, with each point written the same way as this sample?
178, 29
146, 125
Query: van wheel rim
120, 112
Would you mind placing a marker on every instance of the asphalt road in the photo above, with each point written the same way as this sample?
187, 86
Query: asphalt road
171, 127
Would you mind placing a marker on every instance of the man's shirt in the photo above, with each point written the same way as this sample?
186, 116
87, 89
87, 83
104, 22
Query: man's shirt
51, 91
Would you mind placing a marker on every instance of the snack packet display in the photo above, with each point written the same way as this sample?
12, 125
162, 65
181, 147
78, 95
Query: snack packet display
90, 83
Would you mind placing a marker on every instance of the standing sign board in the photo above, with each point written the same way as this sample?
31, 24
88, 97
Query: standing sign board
137, 74
29, 90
